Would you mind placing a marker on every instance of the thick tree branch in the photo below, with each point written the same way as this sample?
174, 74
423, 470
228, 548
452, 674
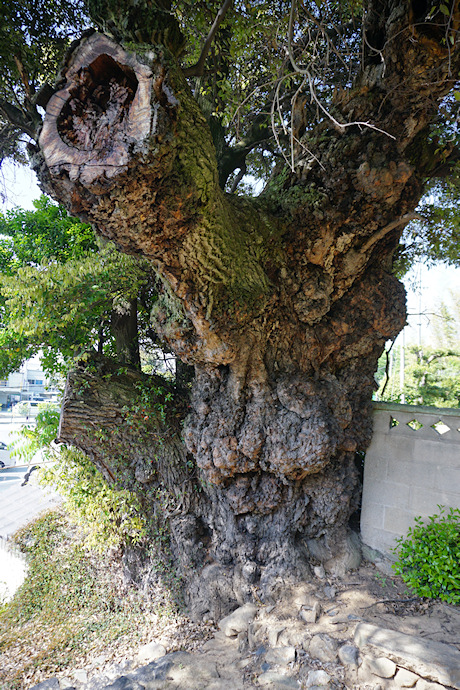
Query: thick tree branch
197, 70
238, 178
388, 228
128, 423
234, 157
17, 118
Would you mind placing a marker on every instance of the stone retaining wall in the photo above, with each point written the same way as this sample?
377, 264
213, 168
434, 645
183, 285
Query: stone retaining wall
411, 467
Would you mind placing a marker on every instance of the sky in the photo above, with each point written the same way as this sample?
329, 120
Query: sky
426, 287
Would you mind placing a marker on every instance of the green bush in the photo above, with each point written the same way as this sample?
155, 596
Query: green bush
429, 557
110, 516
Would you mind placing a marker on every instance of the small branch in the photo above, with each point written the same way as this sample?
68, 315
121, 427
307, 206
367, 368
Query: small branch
388, 228
198, 69
391, 601
387, 368
24, 76
341, 126
306, 73
276, 102
238, 178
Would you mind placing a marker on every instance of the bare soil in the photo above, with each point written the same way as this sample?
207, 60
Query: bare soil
365, 594
385, 600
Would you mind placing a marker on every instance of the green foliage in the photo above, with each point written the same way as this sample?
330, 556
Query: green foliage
435, 237
57, 287
431, 374
39, 544
245, 66
29, 238
13, 351
150, 398
34, 35
429, 557
109, 516
431, 377
61, 307
31, 439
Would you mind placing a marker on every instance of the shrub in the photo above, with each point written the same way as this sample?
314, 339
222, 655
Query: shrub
429, 557
110, 516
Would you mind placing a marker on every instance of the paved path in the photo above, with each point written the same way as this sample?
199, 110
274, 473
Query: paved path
18, 506
21, 504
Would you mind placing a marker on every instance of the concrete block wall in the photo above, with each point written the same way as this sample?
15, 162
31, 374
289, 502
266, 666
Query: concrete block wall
411, 467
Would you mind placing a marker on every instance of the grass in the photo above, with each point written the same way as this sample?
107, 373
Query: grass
74, 606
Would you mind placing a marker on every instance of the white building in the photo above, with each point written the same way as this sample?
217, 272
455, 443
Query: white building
29, 383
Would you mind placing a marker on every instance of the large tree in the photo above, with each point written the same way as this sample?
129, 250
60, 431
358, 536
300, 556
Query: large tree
282, 303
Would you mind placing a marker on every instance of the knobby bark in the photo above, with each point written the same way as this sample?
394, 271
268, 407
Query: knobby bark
282, 304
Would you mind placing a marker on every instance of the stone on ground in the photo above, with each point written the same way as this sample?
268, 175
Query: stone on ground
348, 655
426, 685
276, 681
381, 667
435, 661
318, 679
323, 648
150, 652
405, 678
239, 620
280, 655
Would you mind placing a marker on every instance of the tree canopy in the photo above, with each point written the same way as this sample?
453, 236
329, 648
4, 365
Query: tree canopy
263, 73
434, 237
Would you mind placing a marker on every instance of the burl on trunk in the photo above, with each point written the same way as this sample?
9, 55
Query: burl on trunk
282, 303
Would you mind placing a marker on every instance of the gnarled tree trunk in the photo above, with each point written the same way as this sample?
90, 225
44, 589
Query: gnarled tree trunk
283, 303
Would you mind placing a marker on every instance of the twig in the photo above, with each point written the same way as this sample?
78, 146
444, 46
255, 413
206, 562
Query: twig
340, 126
387, 368
391, 601
272, 116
